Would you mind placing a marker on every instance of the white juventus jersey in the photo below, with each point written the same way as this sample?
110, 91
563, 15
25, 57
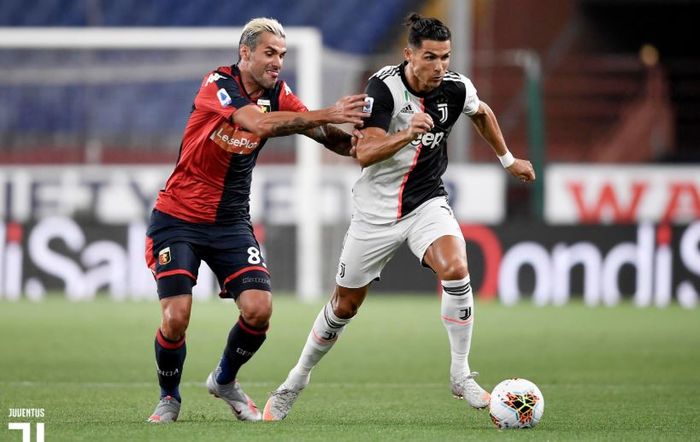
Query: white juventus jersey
391, 189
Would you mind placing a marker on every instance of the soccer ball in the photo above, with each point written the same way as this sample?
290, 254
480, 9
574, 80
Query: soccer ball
516, 403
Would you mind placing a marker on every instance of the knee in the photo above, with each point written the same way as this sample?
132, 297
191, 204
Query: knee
345, 309
257, 310
258, 316
175, 322
345, 306
454, 270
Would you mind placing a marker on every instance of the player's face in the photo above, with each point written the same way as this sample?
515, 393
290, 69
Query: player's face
265, 62
429, 63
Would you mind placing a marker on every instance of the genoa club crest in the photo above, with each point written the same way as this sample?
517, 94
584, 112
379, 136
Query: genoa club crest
164, 256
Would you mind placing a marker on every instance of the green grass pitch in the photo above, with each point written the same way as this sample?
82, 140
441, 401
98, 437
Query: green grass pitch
606, 373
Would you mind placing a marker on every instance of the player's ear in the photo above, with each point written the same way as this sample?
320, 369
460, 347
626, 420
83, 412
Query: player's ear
244, 52
407, 53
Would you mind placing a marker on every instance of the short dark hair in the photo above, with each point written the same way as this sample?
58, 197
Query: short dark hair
425, 28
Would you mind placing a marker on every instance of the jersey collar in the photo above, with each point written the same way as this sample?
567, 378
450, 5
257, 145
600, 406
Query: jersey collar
402, 72
237, 75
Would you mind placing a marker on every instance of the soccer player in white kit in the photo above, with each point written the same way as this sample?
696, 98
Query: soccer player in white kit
400, 197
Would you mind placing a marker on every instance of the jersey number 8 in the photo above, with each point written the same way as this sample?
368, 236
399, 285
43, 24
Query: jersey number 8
254, 255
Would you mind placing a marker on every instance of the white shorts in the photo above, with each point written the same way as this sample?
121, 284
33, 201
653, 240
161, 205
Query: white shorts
367, 248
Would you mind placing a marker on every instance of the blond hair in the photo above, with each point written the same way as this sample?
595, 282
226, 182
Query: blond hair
255, 27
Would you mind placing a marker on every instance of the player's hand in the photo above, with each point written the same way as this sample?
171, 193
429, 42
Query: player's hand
522, 170
354, 139
420, 124
348, 110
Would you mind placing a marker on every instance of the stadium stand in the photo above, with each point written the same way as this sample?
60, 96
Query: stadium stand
344, 25
65, 111
596, 91
602, 101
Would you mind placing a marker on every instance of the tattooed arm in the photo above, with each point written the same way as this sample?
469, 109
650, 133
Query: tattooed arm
332, 138
276, 124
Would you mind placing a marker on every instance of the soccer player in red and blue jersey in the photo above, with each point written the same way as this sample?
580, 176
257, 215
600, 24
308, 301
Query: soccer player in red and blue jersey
203, 211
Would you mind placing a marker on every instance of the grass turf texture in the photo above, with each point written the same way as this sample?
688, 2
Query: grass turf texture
606, 374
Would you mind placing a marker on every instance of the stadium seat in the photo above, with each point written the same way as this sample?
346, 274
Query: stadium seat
61, 109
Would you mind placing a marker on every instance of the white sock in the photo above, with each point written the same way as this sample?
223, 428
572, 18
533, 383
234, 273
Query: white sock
325, 331
457, 310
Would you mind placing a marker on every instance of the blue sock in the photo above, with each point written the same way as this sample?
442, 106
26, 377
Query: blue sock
243, 342
170, 359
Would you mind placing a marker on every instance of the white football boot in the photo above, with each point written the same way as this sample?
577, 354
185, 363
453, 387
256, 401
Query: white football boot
280, 403
166, 411
241, 404
465, 387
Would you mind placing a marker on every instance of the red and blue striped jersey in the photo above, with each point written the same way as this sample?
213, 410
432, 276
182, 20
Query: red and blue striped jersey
212, 177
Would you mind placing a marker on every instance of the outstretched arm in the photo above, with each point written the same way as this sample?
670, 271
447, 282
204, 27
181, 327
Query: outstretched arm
332, 138
486, 124
275, 124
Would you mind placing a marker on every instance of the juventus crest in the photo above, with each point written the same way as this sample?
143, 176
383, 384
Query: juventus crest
442, 107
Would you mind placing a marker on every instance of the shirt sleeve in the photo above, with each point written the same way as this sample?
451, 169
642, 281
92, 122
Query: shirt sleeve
383, 105
288, 101
220, 94
471, 100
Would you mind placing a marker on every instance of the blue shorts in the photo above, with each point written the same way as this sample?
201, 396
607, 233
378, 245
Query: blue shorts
175, 249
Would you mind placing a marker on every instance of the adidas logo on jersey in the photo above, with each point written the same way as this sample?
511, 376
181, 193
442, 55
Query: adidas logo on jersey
408, 109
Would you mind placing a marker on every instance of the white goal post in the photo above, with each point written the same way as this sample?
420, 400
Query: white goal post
305, 40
